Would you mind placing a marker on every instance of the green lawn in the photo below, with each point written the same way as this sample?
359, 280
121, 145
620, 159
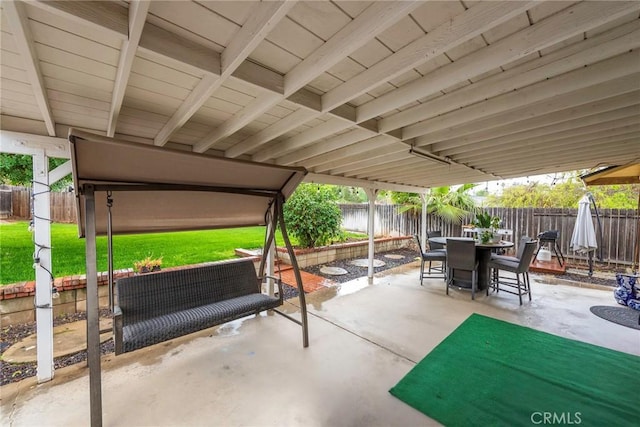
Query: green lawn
181, 248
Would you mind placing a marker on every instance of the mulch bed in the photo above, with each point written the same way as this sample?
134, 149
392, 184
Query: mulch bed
9, 335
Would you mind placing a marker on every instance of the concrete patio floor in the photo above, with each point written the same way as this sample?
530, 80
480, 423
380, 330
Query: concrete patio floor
363, 340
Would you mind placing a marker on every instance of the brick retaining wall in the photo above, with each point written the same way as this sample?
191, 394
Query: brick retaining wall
17, 300
359, 249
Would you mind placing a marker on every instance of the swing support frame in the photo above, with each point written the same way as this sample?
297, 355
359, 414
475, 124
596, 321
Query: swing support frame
153, 189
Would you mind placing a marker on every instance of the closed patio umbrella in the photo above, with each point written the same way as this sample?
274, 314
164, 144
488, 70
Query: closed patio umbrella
583, 239
628, 173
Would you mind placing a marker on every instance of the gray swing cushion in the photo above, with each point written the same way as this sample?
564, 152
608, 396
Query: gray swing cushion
157, 307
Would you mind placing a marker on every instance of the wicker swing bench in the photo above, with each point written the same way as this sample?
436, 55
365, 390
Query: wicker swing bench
161, 306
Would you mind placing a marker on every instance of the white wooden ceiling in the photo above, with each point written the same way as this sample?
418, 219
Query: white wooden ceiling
343, 88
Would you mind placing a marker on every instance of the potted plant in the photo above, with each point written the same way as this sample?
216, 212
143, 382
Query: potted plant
486, 225
147, 265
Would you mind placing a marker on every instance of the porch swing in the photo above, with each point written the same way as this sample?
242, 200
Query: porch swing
150, 189
158, 307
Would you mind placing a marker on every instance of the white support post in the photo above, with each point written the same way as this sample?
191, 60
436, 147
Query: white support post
371, 228
42, 265
423, 226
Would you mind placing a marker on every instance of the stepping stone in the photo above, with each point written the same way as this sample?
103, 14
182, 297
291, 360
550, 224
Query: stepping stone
333, 271
365, 262
394, 256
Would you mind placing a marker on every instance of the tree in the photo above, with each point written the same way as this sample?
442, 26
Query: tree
565, 194
312, 215
344, 194
452, 205
17, 169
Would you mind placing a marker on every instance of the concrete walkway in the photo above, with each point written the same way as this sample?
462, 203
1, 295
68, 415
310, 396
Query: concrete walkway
364, 339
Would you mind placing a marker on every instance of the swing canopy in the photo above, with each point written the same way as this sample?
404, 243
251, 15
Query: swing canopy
158, 189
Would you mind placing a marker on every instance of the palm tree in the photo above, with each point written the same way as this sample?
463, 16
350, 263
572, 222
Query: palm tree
452, 205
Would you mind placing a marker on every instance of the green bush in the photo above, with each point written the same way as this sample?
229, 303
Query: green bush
312, 215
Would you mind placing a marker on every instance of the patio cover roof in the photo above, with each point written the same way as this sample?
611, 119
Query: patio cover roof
624, 174
155, 189
486, 90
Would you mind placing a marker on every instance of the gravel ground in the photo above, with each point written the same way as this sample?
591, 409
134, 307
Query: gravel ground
354, 271
584, 278
9, 335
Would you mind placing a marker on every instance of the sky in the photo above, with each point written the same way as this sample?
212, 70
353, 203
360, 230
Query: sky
496, 186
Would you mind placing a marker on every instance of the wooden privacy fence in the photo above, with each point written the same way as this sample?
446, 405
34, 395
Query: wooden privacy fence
619, 226
63, 207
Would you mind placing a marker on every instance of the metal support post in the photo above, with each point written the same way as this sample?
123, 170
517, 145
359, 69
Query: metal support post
270, 260
93, 314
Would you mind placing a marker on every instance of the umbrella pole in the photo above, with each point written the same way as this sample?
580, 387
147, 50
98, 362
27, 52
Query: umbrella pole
590, 263
636, 250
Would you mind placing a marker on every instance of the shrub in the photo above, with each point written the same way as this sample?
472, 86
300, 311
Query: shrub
312, 215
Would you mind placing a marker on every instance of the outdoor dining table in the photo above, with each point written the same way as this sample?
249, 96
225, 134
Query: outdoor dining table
483, 255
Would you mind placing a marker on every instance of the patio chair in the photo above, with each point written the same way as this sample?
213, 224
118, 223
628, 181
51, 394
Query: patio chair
519, 267
461, 256
435, 246
516, 258
430, 256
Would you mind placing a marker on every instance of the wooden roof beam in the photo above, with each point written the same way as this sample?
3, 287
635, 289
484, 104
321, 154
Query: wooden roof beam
27, 143
565, 24
280, 127
613, 153
344, 164
182, 53
375, 19
303, 139
338, 156
337, 180
560, 146
109, 16
424, 171
551, 153
342, 140
569, 127
580, 104
619, 45
19, 21
615, 68
137, 17
257, 27
311, 105
465, 26
379, 164
371, 22
564, 60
